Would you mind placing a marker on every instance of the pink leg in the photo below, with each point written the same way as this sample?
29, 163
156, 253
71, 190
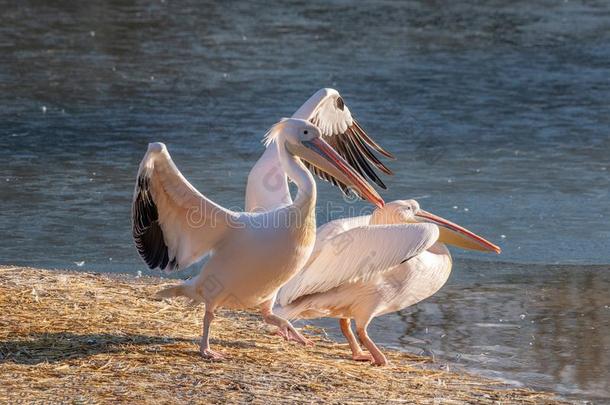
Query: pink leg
205, 350
286, 330
357, 353
378, 357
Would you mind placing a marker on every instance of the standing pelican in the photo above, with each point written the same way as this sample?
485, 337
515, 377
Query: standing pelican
372, 265
253, 254
267, 186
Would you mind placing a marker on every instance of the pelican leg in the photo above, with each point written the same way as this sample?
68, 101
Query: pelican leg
204, 348
286, 330
378, 357
357, 353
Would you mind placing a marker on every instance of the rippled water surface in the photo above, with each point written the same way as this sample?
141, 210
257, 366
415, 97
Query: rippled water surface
498, 111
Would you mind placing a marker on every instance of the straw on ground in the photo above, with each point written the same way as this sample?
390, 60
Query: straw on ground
89, 338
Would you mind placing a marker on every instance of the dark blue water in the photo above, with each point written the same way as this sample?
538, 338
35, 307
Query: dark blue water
498, 113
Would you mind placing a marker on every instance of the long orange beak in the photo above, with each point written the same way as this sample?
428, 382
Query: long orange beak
320, 147
457, 235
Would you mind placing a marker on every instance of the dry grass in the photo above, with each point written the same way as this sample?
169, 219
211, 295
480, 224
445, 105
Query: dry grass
85, 338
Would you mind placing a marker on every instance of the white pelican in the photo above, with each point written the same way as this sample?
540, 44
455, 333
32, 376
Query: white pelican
372, 265
267, 186
254, 254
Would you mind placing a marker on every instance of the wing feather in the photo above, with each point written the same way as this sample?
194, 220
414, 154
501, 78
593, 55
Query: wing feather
358, 254
344, 133
173, 224
327, 110
333, 228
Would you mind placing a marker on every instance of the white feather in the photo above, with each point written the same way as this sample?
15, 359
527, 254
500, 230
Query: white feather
357, 255
263, 193
191, 223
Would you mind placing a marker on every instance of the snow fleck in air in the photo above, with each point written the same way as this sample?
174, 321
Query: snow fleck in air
80, 264
466, 210
449, 181
522, 316
92, 33
455, 207
139, 274
44, 109
503, 236
110, 259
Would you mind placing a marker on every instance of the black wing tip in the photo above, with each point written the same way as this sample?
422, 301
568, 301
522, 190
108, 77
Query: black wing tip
358, 160
147, 233
354, 145
369, 141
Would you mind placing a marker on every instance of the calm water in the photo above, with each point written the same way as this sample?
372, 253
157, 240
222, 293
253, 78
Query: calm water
498, 111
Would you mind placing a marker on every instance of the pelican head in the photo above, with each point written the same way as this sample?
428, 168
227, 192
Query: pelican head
302, 139
409, 211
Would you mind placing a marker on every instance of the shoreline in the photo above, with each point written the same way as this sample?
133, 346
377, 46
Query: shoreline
90, 337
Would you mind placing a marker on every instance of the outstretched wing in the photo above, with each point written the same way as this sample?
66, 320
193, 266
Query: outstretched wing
327, 110
173, 224
329, 230
267, 184
359, 254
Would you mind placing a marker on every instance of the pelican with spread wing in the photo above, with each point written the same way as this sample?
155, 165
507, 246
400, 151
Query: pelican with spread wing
252, 254
267, 186
367, 266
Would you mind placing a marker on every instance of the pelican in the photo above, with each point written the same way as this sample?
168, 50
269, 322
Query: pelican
367, 266
267, 186
253, 254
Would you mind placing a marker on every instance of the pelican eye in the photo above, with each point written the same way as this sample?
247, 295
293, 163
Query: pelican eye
305, 132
